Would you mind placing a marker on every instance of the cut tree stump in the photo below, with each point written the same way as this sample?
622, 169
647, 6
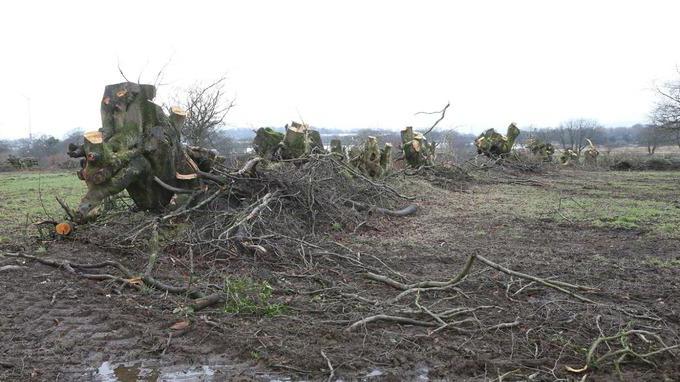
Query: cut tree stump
298, 141
493, 144
417, 150
137, 143
370, 160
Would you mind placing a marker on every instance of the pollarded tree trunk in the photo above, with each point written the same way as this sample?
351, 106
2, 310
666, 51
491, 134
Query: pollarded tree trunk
296, 142
370, 160
336, 148
494, 144
299, 140
386, 157
136, 144
316, 145
417, 151
590, 154
267, 142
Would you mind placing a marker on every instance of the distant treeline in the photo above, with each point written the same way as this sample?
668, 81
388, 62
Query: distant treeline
51, 151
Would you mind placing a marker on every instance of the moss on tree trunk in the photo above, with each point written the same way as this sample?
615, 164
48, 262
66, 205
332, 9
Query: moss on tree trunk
417, 150
136, 143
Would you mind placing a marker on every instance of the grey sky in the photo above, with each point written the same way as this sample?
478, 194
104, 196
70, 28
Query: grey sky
345, 64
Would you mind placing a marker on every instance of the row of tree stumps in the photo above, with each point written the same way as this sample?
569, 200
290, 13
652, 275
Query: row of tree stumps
496, 145
298, 141
139, 149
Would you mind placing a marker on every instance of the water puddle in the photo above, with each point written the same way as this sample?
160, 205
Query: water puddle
141, 371
138, 372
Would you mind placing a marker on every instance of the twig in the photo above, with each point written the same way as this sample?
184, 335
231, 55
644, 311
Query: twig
330, 366
442, 112
558, 285
385, 317
67, 209
153, 250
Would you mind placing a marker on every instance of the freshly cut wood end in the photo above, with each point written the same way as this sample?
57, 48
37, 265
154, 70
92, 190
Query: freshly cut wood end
94, 137
185, 176
298, 127
178, 111
63, 229
416, 145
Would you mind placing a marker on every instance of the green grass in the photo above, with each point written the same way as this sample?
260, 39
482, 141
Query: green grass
644, 201
30, 196
247, 296
660, 263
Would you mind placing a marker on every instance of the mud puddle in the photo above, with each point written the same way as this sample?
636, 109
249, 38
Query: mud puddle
146, 371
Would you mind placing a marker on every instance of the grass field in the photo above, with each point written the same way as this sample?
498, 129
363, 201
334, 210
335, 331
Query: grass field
30, 196
638, 201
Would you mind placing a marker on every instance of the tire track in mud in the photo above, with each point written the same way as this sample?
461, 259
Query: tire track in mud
54, 326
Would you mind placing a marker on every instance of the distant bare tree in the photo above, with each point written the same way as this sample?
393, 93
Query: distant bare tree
650, 136
666, 113
206, 107
573, 133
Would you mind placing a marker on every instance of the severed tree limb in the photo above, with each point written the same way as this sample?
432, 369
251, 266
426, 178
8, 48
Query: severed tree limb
174, 189
197, 206
385, 317
207, 301
71, 214
627, 350
557, 285
408, 210
132, 277
425, 284
248, 167
430, 285
443, 114
253, 213
331, 370
153, 249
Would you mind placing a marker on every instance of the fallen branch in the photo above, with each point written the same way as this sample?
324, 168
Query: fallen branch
248, 167
174, 189
627, 350
131, 278
385, 317
426, 286
330, 367
153, 250
71, 214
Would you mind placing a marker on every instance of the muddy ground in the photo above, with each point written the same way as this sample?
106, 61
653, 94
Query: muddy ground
615, 231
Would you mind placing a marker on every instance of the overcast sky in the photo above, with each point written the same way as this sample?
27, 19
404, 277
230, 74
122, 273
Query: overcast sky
345, 64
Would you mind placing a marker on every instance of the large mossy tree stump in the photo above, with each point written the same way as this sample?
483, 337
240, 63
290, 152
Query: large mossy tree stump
297, 141
137, 143
417, 150
267, 142
493, 144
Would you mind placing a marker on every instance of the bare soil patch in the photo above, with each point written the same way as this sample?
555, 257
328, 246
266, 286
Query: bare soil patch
55, 324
